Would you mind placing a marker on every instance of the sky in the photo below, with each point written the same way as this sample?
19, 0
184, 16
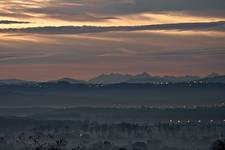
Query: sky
50, 39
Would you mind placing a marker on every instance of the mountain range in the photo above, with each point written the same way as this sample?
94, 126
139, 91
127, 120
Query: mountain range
115, 89
115, 78
15, 81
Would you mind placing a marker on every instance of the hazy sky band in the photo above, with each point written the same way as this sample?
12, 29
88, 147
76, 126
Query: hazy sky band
157, 36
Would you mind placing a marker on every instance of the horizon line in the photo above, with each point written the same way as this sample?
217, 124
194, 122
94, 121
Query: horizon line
113, 73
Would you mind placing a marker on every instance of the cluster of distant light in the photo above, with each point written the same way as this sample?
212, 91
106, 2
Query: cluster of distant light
190, 83
195, 121
194, 82
171, 107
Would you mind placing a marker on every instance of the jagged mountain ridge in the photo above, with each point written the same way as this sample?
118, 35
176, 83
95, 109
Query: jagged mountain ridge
147, 78
115, 78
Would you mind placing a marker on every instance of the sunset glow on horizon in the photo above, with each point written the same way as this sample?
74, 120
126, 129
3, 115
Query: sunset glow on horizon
181, 38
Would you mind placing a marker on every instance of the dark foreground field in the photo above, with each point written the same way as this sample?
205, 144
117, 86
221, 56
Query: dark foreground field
112, 128
61, 94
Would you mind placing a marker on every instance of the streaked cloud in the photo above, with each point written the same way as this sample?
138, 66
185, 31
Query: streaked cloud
56, 38
13, 22
90, 8
112, 13
205, 26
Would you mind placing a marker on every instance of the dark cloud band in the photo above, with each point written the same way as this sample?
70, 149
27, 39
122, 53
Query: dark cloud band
13, 22
201, 26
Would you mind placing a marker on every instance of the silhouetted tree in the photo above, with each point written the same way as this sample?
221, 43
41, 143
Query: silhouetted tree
218, 145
